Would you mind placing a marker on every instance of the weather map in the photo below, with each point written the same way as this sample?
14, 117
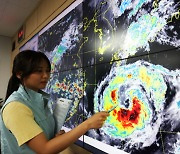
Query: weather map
126, 28
141, 92
62, 44
122, 53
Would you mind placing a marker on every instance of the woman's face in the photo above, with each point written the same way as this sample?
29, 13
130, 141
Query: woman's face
39, 78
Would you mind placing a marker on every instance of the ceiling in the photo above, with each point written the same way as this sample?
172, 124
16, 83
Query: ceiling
13, 14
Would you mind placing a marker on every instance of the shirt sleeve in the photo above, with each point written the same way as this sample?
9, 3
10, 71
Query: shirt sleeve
19, 119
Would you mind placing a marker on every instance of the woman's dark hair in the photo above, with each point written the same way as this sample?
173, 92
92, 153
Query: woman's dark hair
25, 63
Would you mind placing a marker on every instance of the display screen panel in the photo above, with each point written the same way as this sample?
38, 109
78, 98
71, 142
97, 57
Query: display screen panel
147, 93
62, 40
122, 29
68, 85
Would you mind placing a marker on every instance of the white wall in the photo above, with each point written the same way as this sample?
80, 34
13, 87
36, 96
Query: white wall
5, 64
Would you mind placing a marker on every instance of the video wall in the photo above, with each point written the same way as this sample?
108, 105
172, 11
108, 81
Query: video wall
105, 53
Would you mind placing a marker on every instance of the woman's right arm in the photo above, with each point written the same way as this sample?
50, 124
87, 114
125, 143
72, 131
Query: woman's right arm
40, 144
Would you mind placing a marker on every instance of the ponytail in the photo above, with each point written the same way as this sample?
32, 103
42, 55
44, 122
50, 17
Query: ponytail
13, 85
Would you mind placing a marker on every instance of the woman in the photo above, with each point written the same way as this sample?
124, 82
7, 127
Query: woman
27, 125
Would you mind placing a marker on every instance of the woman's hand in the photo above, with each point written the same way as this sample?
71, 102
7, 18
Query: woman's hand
40, 144
97, 120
